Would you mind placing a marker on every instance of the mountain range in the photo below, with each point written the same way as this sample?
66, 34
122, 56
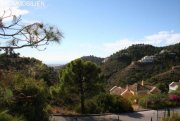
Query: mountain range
140, 62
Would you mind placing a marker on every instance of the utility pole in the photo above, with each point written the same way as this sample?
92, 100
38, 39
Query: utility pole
157, 114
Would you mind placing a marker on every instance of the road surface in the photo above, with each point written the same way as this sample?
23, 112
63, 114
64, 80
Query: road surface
136, 116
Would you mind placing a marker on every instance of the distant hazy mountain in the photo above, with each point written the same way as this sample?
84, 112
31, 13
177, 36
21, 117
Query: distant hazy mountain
56, 66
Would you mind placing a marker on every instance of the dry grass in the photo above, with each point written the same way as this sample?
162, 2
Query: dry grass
63, 111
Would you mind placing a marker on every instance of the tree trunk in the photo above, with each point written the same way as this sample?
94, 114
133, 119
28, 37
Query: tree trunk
82, 98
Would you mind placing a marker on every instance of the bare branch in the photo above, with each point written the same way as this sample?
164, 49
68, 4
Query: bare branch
16, 36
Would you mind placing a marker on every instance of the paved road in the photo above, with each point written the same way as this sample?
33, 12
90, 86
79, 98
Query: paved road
136, 116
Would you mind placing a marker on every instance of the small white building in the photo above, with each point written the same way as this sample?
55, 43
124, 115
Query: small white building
173, 86
105, 60
147, 59
164, 51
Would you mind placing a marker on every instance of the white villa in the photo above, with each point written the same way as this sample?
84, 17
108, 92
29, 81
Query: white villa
173, 86
147, 59
105, 60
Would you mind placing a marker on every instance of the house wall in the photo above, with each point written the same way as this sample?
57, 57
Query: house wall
173, 88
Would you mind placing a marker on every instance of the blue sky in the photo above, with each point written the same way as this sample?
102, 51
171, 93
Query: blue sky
102, 27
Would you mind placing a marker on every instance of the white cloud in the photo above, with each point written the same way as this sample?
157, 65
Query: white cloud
6, 5
119, 45
162, 38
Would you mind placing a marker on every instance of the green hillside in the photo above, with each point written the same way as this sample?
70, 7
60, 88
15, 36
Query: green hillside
123, 67
30, 67
94, 59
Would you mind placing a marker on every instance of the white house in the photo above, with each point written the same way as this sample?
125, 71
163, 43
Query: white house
173, 86
164, 51
147, 59
105, 60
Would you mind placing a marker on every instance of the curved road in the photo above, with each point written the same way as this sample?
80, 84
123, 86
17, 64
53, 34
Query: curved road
136, 116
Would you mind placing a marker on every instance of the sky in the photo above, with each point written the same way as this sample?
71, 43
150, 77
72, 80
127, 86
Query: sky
99, 27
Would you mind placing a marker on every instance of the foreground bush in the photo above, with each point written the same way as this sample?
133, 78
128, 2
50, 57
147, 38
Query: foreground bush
5, 116
154, 101
5, 97
174, 97
174, 117
106, 103
30, 99
113, 104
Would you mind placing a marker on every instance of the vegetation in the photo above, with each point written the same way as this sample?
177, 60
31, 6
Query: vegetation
173, 117
5, 116
80, 80
29, 98
123, 67
154, 101
24, 82
158, 101
29, 89
26, 97
98, 61
174, 97
106, 103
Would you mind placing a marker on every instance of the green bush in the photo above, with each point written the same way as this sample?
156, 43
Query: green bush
106, 103
154, 101
91, 107
30, 99
174, 117
5, 116
113, 104
5, 97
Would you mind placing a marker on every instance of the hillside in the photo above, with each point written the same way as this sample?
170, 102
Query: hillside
124, 67
166, 77
30, 67
94, 59
120, 60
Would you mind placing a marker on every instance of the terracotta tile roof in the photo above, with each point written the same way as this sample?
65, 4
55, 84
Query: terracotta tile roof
127, 92
116, 90
137, 87
154, 90
148, 86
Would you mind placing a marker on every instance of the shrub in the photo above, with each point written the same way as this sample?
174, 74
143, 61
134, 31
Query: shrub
113, 104
5, 97
30, 99
5, 116
154, 101
174, 117
106, 103
91, 107
175, 98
